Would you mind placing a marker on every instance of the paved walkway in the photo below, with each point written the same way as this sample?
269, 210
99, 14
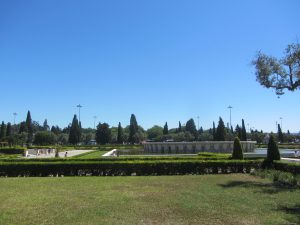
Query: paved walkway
62, 154
291, 159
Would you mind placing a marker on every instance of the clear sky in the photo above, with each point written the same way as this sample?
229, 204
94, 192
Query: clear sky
161, 60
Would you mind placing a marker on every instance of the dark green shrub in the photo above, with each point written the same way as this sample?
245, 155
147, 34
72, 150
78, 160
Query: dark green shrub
273, 152
237, 149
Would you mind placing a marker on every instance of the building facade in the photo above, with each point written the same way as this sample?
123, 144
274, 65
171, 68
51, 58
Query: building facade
195, 147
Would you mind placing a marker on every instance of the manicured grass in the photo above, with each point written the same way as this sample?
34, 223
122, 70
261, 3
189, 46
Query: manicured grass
90, 155
206, 199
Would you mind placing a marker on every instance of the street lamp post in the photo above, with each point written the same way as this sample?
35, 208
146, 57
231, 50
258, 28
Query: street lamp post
15, 114
281, 123
230, 107
79, 107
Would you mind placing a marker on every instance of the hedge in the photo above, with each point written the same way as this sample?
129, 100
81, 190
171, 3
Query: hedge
138, 168
9, 150
293, 168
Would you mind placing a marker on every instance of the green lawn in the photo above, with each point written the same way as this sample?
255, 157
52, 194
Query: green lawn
91, 155
207, 199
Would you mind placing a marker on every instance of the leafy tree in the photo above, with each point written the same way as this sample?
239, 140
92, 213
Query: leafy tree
120, 137
272, 152
2, 131
166, 129
280, 134
22, 127
237, 149
221, 131
29, 127
103, 134
45, 125
155, 133
279, 74
244, 133
191, 127
44, 138
8, 130
74, 136
56, 130
133, 129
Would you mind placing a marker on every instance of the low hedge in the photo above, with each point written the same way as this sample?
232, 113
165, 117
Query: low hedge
9, 150
293, 168
138, 168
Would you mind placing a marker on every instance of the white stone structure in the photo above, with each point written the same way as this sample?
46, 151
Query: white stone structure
195, 147
38, 152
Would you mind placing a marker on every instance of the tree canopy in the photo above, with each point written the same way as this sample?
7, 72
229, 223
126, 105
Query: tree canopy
280, 74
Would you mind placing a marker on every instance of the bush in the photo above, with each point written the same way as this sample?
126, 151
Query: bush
16, 150
237, 149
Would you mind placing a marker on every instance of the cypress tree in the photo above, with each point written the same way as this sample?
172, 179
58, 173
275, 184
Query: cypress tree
214, 131
237, 149
2, 130
231, 129
238, 131
201, 130
166, 129
74, 135
221, 131
8, 130
133, 129
280, 134
45, 125
179, 127
29, 127
272, 152
244, 133
120, 137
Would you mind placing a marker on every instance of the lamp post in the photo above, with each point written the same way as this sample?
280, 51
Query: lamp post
79, 107
281, 123
230, 107
15, 114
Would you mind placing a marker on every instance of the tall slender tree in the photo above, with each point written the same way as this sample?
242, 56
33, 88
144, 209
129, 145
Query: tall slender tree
244, 133
221, 131
214, 131
272, 152
45, 125
166, 129
8, 129
133, 129
120, 137
280, 134
2, 130
74, 135
238, 131
29, 128
179, 127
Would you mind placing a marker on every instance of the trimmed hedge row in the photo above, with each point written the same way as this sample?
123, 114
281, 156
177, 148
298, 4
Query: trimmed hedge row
9, 150
293, 168
72, 168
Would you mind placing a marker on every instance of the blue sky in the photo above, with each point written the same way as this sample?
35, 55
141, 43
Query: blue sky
161, 60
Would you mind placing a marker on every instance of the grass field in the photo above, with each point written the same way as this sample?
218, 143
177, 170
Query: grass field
206, 199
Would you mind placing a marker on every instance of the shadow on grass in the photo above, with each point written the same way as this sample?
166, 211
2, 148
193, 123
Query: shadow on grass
268, 188
294, 211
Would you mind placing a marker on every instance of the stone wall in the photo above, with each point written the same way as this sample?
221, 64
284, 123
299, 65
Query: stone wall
195, 147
